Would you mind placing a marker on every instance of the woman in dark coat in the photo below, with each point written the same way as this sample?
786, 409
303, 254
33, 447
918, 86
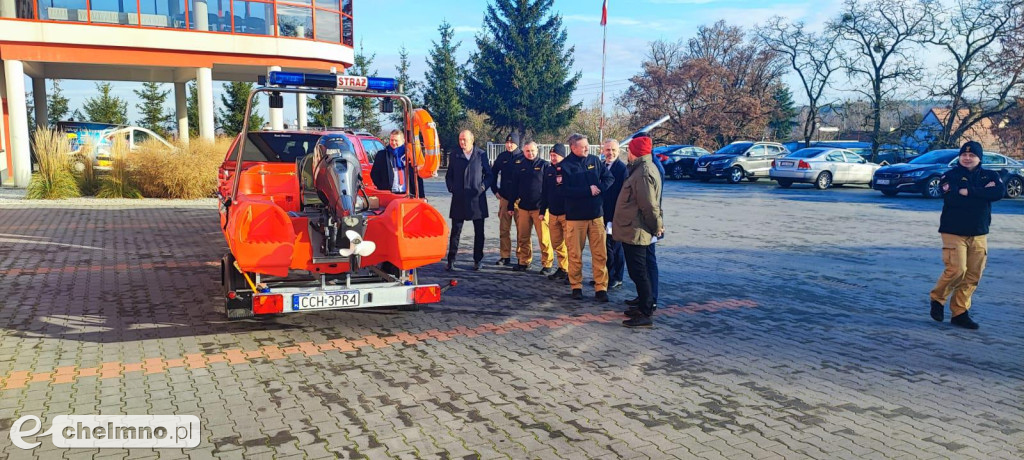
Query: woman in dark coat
468, 179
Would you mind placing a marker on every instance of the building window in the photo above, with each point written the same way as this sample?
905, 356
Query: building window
346, 30
294, 21
328, 26
254, 18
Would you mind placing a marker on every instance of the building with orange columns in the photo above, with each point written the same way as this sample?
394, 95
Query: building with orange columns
167, 41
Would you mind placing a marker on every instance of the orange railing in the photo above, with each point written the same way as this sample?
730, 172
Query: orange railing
320, 20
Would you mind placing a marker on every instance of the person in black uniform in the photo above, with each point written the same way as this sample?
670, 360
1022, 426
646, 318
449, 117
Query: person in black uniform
968, 191
584, 179
468, 179
553, 205
500, 184
527, 185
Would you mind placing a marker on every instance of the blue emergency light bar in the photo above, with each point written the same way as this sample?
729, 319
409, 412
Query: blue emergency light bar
328, 80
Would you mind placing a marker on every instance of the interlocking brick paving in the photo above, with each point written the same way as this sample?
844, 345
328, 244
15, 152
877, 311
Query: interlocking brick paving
793, 325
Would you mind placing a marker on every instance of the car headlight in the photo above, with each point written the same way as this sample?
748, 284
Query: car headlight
721, 162
914, 174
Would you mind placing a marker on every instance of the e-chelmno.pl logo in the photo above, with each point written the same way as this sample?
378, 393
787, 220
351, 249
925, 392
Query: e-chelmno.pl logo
110, 431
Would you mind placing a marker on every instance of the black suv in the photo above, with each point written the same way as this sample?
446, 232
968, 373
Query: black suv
739, 160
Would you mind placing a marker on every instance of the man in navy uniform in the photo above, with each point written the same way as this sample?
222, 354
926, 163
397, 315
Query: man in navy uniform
585, 178
501, 171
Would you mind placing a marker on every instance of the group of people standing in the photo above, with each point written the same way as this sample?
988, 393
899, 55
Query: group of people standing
573, 199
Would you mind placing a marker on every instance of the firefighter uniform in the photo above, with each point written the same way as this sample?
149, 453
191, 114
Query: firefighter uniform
584, 214
526, 188
554, 204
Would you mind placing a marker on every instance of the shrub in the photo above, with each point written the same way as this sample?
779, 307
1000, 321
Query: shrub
85, 167
117, 182
55, 179
186, 172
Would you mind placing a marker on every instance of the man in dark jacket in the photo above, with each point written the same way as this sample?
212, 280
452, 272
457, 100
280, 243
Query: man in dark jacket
584, 179
616, 258
968, 191
527, 185
501, 171
553, 204
468, 179
389, 170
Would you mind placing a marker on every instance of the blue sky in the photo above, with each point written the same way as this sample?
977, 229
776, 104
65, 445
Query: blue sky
384, 26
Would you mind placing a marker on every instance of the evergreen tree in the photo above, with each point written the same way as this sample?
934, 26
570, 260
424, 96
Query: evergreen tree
151, 107
56, 105
783, 114
319, 110
519, 75
409, 86
361, 112
192, 109
30, 110
236, 95
106, 108
442, 95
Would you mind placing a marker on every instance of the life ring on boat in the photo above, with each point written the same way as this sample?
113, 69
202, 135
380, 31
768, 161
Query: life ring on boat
428, 154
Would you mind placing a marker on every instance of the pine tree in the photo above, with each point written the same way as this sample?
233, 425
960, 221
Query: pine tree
56, 105
30, 110
442, 95
151, 108
106, 108
409, 86
192, 109
519, 75
319, 110
361, 112
236, 95
783, 114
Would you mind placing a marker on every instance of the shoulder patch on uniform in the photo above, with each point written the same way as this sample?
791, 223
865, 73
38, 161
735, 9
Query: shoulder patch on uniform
590, 166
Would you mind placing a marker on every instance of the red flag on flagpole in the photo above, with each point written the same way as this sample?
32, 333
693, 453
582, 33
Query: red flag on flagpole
604, 13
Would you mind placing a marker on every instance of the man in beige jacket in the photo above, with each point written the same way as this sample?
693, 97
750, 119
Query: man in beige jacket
637, 219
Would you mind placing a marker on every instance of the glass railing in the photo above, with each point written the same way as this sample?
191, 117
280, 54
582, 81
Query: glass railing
326, 20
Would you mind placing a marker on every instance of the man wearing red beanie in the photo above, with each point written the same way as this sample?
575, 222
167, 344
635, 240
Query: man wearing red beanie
640, 212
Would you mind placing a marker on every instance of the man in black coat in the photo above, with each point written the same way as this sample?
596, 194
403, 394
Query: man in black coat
968, 191
501, 183
390, 171
616, 256
468, 179
527, 187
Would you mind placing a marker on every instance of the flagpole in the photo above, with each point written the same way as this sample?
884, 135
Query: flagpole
604, 59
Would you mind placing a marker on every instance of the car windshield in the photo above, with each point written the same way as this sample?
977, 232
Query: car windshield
278, 147
935, 157
666, 150
734, 149
806, 153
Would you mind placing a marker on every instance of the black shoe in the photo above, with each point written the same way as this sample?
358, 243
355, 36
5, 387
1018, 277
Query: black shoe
963, 320
593, 283
601, 296
558, 274
566, 281
615, 285
639, 321
450, 266
476, 265
504, 261
519, 268
577, 294
632, 312
937, 311
547, 271
635, 301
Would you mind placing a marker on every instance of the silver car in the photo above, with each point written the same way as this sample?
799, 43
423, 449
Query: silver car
822, 166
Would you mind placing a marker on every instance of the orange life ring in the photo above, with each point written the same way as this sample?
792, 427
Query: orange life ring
428, 155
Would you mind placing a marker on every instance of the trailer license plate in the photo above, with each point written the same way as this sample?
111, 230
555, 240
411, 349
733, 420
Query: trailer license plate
702, 169
882, 181
325, 300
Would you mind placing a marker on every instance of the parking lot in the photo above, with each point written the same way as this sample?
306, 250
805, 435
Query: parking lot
793, 323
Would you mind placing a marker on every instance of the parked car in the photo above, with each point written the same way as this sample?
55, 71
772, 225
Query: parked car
823, 167
678, 160
921, 175
887, 153
739, 160
133, 136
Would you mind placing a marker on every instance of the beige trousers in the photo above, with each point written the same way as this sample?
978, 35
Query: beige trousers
579, 232
965, 258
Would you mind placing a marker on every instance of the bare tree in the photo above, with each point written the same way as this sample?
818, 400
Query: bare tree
881, 35
982, 73
814, 58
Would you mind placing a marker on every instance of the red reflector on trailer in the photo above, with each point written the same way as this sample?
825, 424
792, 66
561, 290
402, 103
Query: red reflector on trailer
264, 304
232, 295
426, 294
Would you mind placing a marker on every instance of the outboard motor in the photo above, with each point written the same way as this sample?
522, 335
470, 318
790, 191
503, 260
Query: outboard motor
338, 182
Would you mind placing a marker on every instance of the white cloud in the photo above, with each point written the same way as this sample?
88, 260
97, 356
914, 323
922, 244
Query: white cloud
465, 29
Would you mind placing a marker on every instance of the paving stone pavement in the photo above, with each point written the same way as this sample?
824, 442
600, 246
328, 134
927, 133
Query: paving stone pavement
794, 324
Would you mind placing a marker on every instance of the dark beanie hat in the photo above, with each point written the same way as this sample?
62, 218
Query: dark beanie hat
559, 149
513, 137
973, 147
640, 146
